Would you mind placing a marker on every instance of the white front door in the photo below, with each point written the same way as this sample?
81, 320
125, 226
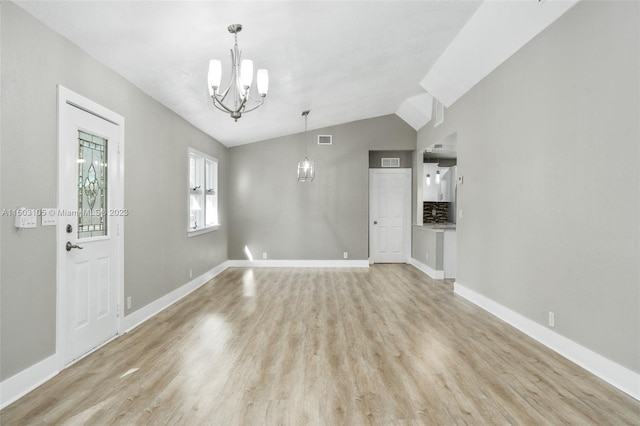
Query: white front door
89, 225
389, 215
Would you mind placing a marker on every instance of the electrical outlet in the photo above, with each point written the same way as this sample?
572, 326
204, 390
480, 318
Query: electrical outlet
460, 214
128, 302
426, 256
552, 319
346, 255
264, 255
190, 273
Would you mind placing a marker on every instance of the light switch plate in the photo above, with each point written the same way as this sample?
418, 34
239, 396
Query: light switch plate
26, 218
460, 180
49, 217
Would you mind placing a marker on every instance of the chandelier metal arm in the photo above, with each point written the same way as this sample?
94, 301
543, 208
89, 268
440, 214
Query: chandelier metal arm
218, 102
221, 97
222, 107
259, 104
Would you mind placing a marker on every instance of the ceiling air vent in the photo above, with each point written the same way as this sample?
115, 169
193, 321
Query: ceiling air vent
325, 140
390, 162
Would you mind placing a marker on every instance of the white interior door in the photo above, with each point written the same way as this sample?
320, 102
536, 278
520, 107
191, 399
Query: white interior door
389, 215
89, 226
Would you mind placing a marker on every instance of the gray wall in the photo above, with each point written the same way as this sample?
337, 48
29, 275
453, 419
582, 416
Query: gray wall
273, 213
427, 246
158, 254
548, 145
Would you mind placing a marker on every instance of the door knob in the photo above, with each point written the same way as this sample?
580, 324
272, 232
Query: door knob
70, 246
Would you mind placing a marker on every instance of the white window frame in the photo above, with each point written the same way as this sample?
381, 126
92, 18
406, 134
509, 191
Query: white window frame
202, 181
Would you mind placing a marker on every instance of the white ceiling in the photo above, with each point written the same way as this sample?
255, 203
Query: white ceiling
344, 61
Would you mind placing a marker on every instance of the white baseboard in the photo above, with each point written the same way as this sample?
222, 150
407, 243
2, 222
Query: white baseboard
611, 372
436, 275
276, 263
136, 318
15, 387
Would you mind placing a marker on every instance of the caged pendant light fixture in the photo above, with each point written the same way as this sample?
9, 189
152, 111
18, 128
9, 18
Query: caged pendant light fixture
237, 99
306, 167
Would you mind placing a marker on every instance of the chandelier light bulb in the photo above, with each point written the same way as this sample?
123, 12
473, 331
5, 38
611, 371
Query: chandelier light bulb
215, 73
246, 73
262, 80
438, 176
428, 179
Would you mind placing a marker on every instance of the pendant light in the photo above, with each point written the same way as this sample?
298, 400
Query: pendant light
427, 163
437, 146
306, 167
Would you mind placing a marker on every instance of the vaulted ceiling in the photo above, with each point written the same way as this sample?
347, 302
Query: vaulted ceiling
344, 60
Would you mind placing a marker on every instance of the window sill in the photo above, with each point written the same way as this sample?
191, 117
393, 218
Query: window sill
201, 231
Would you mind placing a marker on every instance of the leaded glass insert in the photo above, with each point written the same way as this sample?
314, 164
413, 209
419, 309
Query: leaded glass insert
92, 185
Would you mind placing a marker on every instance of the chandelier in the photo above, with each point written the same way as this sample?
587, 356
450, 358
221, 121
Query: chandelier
237, 98
306, 167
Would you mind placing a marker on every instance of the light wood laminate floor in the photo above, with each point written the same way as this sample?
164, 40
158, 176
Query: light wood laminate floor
386, 345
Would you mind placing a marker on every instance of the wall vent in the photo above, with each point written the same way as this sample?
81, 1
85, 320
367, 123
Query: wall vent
325, 139
390, 162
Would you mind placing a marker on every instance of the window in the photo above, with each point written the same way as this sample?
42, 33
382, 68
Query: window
203, 193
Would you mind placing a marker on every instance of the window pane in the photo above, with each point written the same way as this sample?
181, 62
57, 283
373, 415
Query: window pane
195, 173
192, 172
212, 210
210, 175
92, 185
195, 212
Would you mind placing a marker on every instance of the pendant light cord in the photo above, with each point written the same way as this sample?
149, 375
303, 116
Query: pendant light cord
306, 116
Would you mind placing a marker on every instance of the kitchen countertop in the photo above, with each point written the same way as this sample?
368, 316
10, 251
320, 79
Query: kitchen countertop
438, 226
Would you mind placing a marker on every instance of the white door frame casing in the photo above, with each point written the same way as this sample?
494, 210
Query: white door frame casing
66, 99
406, 212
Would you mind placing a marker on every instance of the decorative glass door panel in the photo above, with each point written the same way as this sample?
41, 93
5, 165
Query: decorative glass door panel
92, 185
